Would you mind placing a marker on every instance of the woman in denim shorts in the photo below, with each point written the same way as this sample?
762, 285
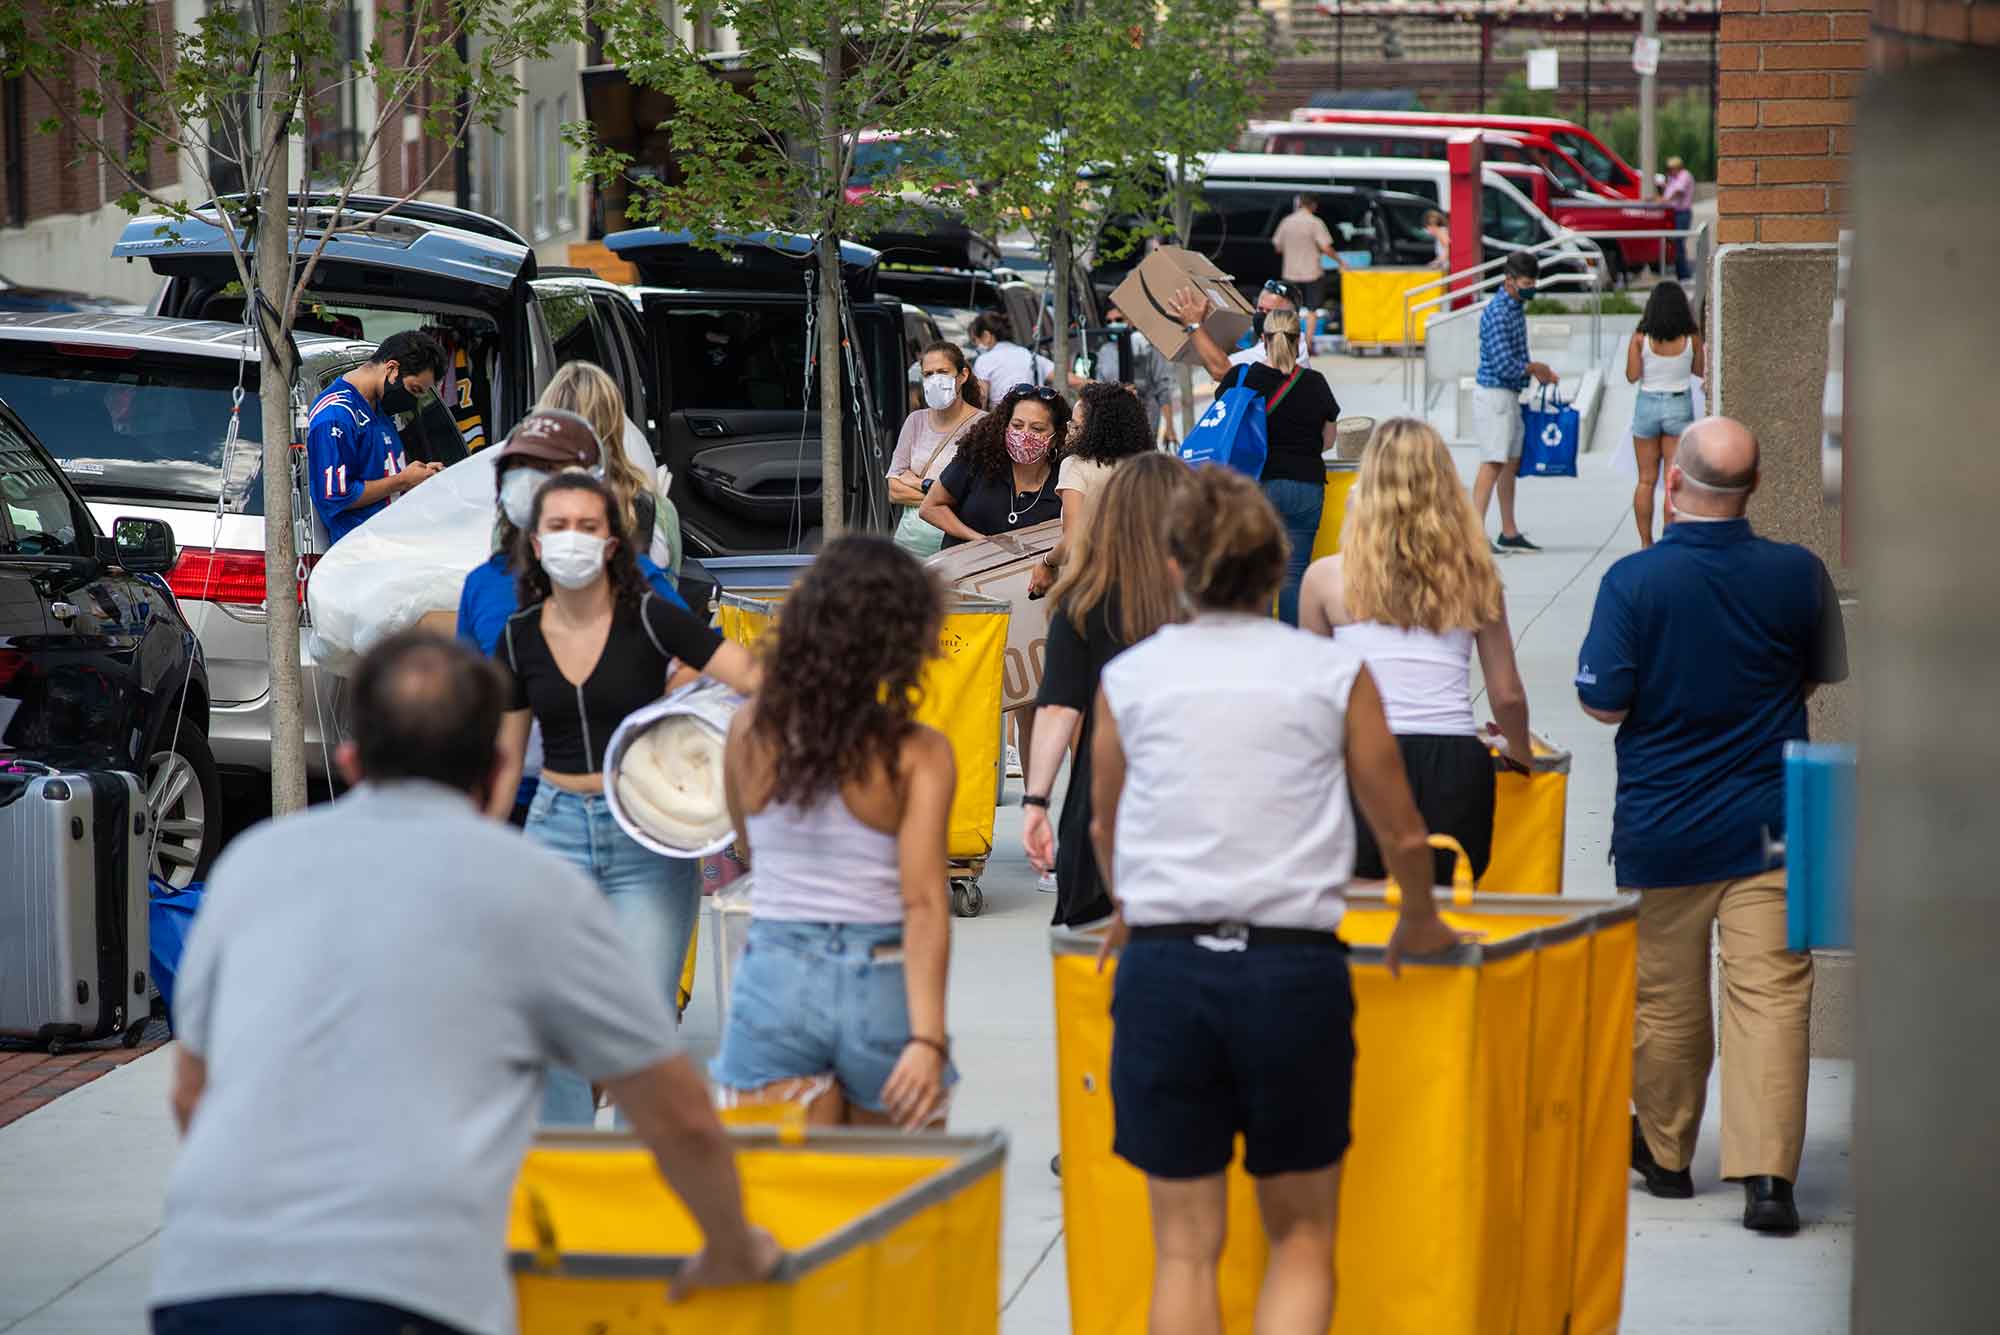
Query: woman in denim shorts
1664, 357
1223, 754
841, 800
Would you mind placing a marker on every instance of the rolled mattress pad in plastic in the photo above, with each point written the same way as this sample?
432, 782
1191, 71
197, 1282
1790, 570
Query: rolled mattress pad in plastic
663, 772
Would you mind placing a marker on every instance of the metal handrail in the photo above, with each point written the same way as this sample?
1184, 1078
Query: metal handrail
1422, 407
1599, 272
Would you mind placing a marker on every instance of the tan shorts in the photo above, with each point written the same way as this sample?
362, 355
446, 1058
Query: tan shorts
1496, 424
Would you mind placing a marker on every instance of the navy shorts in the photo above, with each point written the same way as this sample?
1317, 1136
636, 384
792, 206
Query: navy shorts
1211, 1044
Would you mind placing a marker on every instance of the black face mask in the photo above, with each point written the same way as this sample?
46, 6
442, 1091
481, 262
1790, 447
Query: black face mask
396, 400
1257, 324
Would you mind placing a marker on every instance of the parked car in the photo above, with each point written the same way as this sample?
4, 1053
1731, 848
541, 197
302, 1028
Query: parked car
134, 409
1612, 175
98, 668
28, 297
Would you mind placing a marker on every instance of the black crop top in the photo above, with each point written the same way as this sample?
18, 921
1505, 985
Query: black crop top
577, 721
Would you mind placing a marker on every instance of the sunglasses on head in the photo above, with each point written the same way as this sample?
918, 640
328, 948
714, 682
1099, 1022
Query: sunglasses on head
1278, 287
1042, 392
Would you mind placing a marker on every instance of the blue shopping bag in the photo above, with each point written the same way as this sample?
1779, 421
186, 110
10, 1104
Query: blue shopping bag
1233, 431
171, 914
1550, 439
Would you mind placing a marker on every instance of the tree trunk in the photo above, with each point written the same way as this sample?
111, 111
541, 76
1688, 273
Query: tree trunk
1183, 233
273, 269
1061, 260
832, 374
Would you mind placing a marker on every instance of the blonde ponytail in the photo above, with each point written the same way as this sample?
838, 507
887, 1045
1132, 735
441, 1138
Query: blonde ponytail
1281, 338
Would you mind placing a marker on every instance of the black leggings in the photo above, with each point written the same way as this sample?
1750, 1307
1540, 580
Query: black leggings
1452, 780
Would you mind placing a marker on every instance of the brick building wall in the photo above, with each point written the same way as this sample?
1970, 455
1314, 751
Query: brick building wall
1789, 73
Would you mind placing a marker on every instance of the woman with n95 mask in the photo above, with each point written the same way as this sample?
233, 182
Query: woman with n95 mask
591, 644
929, 442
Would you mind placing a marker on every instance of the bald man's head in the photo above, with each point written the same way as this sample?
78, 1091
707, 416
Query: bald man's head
1717, 463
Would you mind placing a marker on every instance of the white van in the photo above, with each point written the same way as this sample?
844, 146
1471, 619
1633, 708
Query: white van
1508, 219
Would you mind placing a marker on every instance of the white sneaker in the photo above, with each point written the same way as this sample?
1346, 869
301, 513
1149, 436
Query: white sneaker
1047, 883
1013, 763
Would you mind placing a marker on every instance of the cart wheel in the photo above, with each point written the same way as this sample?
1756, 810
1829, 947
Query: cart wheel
56, 1047
134, 1034
967, 899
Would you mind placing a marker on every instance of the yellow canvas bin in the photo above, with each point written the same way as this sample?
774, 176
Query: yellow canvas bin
880, 1232
961, 699
1530, 823
1340, 475
1371, 305
1482, 1194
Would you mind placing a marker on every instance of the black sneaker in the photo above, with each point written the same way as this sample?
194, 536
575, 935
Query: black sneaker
1518, 543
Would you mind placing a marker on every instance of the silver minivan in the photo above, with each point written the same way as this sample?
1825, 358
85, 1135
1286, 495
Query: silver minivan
136, 409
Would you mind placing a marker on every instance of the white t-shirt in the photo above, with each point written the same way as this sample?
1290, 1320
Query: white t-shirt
1255, 353
377, 987
1005, 365
1235, 806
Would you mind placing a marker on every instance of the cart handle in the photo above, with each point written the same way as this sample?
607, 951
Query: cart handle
1461, 875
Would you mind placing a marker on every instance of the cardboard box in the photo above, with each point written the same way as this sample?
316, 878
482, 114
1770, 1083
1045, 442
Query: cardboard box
999, 568
1144, 295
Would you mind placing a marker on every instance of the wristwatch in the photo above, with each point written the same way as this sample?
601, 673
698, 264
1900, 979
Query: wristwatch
926, 485
1030, 800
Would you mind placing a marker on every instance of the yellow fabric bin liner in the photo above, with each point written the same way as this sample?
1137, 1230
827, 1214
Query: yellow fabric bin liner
961, 699
1530, 824
1485, 1190
1340, 476
1371, 305
880, 1232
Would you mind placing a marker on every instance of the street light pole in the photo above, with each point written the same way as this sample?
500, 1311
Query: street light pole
1649, 130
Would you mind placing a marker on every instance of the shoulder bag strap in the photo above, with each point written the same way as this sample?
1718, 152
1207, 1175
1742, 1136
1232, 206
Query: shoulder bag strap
1284, 389
956, 432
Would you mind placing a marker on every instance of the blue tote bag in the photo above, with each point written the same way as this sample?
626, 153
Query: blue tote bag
1550, 436
171, 915
1233, 431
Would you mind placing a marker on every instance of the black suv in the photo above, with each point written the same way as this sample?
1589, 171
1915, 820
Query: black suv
98, 669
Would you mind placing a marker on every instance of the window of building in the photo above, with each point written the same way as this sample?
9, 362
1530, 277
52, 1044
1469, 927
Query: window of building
538, 171
564, 218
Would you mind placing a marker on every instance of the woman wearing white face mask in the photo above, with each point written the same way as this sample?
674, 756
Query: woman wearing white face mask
591, 644
930, 441
546, 440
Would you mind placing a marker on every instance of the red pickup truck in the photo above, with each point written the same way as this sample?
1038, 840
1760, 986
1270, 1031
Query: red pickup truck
1592, 216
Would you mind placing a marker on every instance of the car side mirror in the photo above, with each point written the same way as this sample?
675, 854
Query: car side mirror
144, 546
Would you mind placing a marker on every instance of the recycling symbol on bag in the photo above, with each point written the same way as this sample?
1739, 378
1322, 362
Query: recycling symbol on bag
1552, 434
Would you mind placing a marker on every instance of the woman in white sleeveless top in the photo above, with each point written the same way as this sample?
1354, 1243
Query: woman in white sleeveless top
1414, 591
841, 800
1663, 359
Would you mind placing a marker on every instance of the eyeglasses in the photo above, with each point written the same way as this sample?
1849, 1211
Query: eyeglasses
1042, 392
1278, 287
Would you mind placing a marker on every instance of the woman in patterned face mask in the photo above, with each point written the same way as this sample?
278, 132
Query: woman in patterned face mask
1004, 477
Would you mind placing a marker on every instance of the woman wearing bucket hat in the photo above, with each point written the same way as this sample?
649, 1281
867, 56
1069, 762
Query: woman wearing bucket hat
1414, 592
841, 799
591, 643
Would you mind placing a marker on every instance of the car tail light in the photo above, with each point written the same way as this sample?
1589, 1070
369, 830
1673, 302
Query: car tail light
100, 351
218, 575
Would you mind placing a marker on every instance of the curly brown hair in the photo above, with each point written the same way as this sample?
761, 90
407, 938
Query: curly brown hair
1115, 427
984, 445
841, 668
1228, 541
531, 582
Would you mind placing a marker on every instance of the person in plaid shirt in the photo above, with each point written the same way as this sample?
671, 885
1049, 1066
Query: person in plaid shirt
1504, 369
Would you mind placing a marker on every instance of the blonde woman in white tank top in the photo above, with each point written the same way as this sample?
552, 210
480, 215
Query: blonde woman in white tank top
1414, 591
841, 801
1664, 356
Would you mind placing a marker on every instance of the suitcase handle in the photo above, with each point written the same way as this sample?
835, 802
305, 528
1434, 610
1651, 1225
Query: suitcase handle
1461, 875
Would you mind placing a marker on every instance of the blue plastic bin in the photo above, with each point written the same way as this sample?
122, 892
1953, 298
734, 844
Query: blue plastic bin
1819, 845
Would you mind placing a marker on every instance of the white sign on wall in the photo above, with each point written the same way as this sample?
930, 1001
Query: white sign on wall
1542, 68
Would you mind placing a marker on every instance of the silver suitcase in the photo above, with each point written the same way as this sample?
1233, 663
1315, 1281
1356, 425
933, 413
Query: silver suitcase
74, 939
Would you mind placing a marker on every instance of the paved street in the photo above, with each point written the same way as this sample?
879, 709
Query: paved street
82, 1177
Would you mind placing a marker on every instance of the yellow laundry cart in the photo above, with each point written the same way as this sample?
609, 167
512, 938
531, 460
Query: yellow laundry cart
1530, 823
1485, 1190
961, 698
1372, 302
881, 1232
1340, 476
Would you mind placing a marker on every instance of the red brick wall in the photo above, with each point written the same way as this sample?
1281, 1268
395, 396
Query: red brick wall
1788, 74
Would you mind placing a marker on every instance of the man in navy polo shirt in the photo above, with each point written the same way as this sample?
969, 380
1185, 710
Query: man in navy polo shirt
1703, 650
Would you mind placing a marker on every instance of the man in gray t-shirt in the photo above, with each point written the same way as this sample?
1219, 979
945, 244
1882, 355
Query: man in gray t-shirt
364, 1013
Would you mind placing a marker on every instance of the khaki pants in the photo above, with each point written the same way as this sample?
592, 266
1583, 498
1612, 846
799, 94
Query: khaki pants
1766, 1000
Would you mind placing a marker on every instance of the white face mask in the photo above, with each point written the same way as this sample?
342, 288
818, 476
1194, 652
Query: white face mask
572, 559
939, 390
517, 495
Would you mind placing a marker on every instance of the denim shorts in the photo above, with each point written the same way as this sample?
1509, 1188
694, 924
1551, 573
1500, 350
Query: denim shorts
1662, 414
1209, 1044
817, 997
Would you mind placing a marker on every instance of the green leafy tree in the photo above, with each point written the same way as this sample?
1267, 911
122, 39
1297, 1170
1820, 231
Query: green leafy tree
225, 97
776, 148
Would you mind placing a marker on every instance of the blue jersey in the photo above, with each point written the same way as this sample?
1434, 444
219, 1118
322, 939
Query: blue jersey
349, 443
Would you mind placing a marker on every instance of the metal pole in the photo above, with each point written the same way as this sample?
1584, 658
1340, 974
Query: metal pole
1715, 26
1485, 45
1586, 62
1340, 44
1649, 130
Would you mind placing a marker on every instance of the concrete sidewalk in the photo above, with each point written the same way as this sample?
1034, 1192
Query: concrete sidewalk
81, 1179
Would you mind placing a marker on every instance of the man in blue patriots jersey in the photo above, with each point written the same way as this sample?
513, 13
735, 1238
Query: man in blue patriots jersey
352, 446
